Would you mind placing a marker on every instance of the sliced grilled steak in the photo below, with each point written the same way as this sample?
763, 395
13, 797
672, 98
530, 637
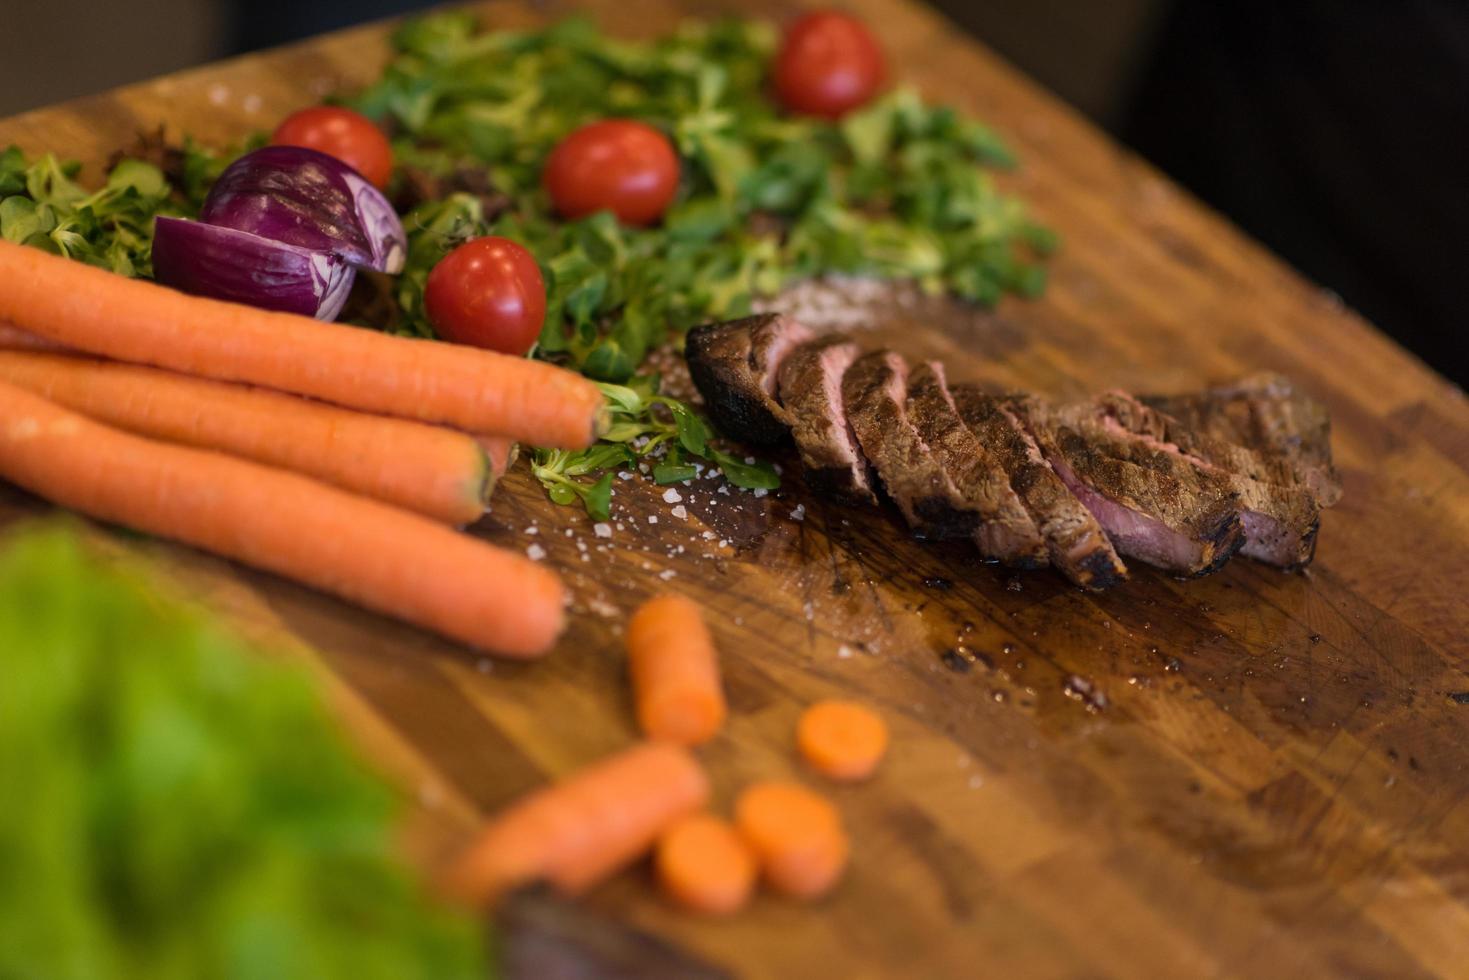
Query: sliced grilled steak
1280, 517
811, 391
1264, 413
734, 366
875, 391
1172, 516
1006, 531
1074, 540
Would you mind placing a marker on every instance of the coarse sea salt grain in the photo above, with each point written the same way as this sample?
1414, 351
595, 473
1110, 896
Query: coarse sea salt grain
844, 651
798, 512
670, 496
535, 552
680, 512
761, 491
602, 530
624, 474
652, 518
667, 574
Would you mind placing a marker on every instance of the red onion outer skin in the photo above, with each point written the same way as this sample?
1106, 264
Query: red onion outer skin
301, 197
228, 264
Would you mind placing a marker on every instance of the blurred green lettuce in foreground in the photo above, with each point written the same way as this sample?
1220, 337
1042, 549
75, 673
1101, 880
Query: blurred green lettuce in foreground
173, 804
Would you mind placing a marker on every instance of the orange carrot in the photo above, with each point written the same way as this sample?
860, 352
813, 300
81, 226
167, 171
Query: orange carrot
796, 835
842, 739
675, 671
580, 830
367, 552
704, 865
438, 472
502, 452
134, 320
14, 338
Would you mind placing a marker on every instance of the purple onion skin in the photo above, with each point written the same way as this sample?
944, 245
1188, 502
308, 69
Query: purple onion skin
311, 200
227, 264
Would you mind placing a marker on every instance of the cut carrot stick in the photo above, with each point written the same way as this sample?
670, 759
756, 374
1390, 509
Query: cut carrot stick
502, 451
134, 320
704, 865
384, 558
796, 836
580, 830
842, 739
438, 472
14, 338
675, 671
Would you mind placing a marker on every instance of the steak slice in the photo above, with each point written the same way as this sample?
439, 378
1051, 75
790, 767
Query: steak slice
1280, 518
734, 366
1006, 531
1170, 516
1264, 413
811, 391
875, 391
1075, 542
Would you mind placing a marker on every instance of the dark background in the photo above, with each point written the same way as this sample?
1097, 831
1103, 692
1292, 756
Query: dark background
1336, 131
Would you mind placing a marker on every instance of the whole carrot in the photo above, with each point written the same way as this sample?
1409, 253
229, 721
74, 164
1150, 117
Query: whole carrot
438, 472
384, 558
675, 671
578, 831
134, 320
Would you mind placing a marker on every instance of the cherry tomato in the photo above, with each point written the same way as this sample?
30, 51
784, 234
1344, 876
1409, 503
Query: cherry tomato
349, 136
487, 293
828, 64
618, 165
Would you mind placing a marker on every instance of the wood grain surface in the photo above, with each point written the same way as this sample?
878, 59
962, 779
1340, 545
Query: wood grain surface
1257, 774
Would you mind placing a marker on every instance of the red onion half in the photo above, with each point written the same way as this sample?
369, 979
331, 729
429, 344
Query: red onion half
224, 263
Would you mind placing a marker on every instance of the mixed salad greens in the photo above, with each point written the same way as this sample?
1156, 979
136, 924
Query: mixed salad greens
177, 805
896, 189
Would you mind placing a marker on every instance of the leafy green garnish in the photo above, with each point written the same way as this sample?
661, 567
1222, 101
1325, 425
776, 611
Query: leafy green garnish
178, 805
645, 425
898, 189
41, 205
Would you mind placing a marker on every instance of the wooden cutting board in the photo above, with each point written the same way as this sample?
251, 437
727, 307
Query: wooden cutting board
1255, 774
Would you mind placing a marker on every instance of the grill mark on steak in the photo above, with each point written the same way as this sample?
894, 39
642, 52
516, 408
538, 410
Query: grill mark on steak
734, 366
1168, 516
810, 385
1006, 531
1075, 542
875, 391
1280, 518
1265, 414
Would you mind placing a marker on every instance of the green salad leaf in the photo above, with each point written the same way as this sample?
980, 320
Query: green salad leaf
177, 805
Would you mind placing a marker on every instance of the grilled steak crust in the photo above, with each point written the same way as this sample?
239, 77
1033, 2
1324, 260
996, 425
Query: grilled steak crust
875, 391
1280, 517
1165, 513
810, 386
1075, 542
734, 366
1265, 414
1006, 531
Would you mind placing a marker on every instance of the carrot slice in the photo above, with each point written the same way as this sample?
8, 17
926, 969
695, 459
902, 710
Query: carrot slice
134, 320
675, 671
578, 831
796, 835
438, 472
364, 551
704, 865
842, 739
